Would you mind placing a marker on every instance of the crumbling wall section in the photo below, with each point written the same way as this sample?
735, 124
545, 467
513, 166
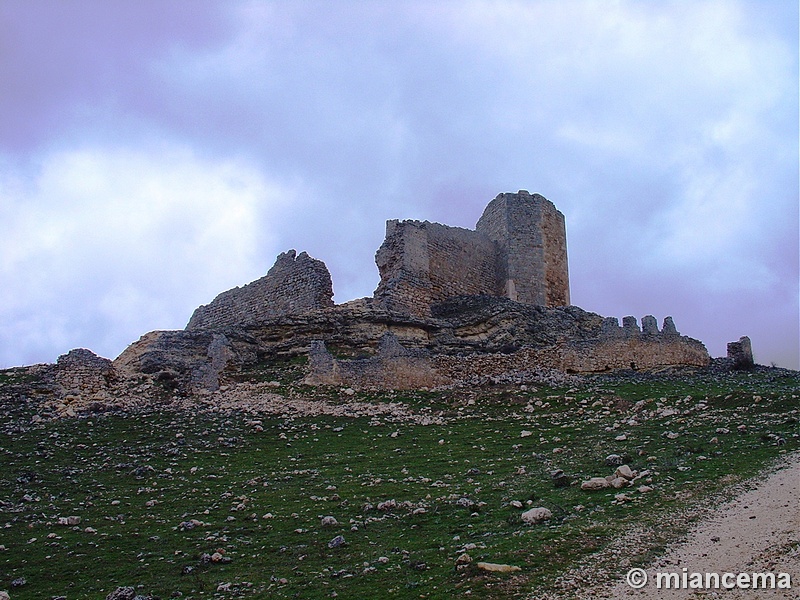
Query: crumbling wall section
295, 283
612, 348
422, 263
81, 372
393, 367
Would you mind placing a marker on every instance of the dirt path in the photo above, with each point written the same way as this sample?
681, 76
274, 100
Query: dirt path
758, 531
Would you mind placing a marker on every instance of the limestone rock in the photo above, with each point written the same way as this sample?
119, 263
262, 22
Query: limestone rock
624, 471
122, 593
536, 515
595, 483
497, 568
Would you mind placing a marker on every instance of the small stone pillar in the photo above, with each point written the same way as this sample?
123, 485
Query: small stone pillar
669, 327
649, 325
741, 354
630, 327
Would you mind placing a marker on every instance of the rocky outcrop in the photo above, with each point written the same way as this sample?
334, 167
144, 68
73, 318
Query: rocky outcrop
187, 359
453, 305
468, 338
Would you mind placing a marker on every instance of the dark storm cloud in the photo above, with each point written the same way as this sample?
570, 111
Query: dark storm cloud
666, 133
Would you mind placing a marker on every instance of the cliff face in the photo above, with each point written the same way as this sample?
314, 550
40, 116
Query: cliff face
467, 336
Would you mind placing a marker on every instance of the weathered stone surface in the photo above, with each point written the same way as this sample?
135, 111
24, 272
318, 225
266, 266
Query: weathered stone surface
741, 353
595, 483
187, 358
497, 568
295, 283
392, 367
518, 250
453, 306
536, 515
532, 244
82, 372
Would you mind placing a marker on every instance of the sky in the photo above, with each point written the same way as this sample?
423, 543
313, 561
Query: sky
158, 152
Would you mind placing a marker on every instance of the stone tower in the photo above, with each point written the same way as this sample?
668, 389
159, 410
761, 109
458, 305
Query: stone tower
532, 248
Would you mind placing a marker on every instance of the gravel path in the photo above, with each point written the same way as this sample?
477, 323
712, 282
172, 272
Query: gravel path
758, 531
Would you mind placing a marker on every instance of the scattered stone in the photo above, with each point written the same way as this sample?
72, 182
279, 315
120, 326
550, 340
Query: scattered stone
536, 515
643, 489
122, 593
525, 433
4, 596
464, 559
329, 521
618, 482
497, 568
614, 460
624, 471
70, 521
337, 542
595, 483
559, 478
516, 503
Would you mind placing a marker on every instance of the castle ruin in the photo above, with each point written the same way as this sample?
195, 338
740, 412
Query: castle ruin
518, 250
453, 305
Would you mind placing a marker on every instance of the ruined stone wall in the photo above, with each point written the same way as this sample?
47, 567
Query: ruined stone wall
423, 263
295, 283
82, 372
393, 367
610, 348
532, 245
518, 251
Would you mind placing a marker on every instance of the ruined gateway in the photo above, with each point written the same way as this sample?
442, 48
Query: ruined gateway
453, 306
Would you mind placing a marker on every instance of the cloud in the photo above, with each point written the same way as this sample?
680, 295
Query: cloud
666, 132
107, 243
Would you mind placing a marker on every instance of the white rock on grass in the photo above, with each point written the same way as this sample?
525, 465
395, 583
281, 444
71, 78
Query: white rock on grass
497, 568
329, 521
536, 515
624, 471
595, 483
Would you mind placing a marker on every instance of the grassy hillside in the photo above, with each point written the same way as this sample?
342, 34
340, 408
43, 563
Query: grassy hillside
180, 500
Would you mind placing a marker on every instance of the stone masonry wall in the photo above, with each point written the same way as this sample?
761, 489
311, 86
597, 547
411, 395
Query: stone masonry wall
422, 263
532, 245
295, 283
393, 367
82, 372
608, 348
518, 251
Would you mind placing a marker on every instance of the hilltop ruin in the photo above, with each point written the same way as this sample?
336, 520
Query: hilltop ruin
453, 305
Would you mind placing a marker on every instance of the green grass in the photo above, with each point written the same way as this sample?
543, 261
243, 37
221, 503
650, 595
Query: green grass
136, 478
